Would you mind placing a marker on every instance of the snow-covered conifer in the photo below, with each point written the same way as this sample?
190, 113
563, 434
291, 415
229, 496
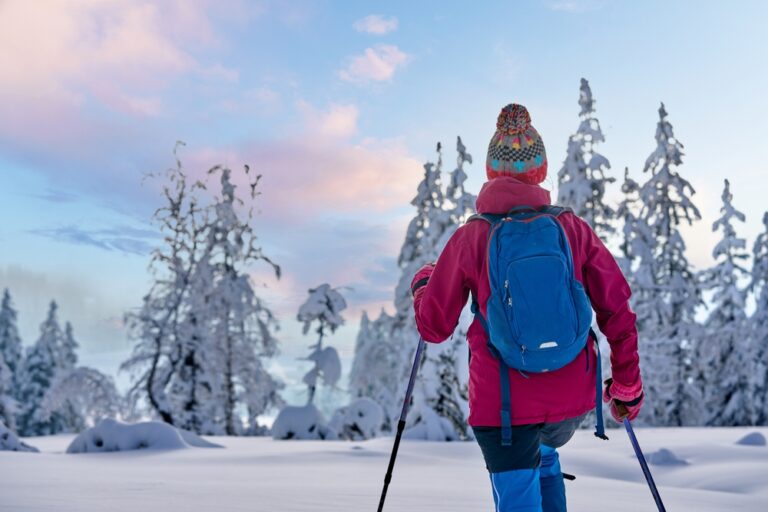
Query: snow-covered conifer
722, 355
758, 327
7, 402
244, 324
10, 341
38, 372
375, 367
582, 180
667, 292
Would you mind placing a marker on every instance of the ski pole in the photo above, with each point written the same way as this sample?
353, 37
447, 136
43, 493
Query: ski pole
641, 458
401, 423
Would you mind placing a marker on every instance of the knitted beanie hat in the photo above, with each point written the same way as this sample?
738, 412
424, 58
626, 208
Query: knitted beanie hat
516, 149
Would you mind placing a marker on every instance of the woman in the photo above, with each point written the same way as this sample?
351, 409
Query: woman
545, 408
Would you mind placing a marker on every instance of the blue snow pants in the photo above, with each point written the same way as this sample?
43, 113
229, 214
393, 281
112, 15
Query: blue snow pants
526, 476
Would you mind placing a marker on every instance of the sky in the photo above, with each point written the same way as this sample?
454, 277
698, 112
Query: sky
338, 105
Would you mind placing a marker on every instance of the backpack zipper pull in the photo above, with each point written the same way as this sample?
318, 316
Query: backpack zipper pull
509, 297
522, 354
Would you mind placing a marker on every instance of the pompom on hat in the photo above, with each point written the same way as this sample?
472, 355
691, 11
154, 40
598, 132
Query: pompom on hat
516, 149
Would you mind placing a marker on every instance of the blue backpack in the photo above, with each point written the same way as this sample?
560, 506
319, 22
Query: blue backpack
539, 316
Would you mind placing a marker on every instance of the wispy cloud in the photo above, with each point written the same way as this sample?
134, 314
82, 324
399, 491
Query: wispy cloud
376, 24
125, 239
56, 196
376, 64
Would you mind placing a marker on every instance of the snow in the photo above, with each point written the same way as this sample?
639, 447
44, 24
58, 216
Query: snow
301, 422
10, 442
359, 420
665, 457
259, 474
753, 439
114, 436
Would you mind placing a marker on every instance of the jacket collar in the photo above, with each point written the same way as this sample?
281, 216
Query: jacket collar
501, 194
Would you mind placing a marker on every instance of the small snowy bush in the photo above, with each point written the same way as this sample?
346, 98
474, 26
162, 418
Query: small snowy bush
359, 420
10, 441
304, 422
113, 436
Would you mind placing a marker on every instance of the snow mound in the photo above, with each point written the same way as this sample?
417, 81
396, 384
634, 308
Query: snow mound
196, 441
359, 420
114, 436
11, 443
664, 457
304, 422
752, 439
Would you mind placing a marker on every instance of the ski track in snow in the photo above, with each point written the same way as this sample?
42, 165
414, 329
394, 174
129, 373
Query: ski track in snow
260, 474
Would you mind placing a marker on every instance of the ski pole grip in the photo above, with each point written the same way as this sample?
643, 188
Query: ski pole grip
623, 411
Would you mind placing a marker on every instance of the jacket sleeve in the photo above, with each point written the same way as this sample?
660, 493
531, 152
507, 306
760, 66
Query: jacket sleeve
609, 293
439, 306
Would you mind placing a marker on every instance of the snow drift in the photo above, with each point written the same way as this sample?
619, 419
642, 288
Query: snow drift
114, 436
301, 422
10, 441
753, 439
359, 420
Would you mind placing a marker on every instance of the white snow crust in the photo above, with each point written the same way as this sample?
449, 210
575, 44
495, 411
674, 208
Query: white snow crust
110, 435
10, 442
301, 422
359, 420
260, 474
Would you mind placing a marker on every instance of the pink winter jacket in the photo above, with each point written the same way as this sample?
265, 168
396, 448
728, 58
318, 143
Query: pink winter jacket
462, 270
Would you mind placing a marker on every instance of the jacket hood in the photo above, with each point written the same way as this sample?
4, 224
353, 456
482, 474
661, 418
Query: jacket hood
501, 194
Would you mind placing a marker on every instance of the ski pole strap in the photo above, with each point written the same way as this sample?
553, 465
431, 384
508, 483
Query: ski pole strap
506, 406
599, 423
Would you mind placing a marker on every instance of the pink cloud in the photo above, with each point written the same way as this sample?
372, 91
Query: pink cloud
61, 57
376, 64
339, 121
376, 24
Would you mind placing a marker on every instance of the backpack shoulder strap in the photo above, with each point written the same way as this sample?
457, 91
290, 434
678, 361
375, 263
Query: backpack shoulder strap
556, 210
486, 217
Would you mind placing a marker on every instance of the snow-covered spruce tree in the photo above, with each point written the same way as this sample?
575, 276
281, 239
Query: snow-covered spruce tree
243, 326
443, 381
722, 358
398, 332
7, 402
10, 341
375, 367
666, 289
582, 180
10, 361
758, 328
323, 307
38, 372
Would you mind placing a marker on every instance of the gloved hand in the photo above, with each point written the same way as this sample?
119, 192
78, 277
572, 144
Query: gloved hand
625, 401
420, 280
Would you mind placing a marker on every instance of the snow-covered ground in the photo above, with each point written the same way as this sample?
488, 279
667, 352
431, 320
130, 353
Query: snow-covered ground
705, 471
